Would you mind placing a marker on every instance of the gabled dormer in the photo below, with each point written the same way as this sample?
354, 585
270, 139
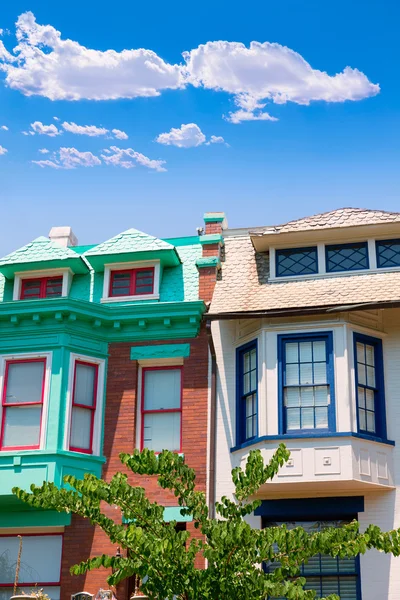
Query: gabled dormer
132, 263
42, 269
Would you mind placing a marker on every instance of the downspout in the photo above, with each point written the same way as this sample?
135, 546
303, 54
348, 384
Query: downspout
213, 416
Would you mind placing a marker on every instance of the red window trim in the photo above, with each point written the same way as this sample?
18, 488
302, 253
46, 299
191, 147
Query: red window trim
85, 406
36, 583
132, 283
166, 410
5, 405
43, 286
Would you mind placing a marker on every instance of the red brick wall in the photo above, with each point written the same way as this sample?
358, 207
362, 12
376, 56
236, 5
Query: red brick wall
83, 540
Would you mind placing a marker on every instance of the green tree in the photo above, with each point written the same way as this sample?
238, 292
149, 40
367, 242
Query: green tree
164, 558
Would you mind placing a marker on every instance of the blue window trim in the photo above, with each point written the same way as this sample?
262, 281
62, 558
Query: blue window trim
380, 404
378, 258
282, 339
240, 405
331, 246
282, 250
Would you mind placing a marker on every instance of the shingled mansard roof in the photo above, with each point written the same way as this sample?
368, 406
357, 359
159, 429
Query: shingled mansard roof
244, 286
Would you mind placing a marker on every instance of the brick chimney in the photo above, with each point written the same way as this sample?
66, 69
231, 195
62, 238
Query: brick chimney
64, 236
210, 262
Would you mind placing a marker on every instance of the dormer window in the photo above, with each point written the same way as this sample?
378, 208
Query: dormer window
347, 257
296, 261
132, 282
44, 287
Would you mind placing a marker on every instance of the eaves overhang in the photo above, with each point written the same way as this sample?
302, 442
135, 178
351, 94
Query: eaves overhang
77, 266
167, 257
274, 237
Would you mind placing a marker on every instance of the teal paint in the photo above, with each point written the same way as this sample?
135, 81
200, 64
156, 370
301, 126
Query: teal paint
162, 351
183, 241
34, 518
168, 258
208, 261
211, 238
214, 217
171, 513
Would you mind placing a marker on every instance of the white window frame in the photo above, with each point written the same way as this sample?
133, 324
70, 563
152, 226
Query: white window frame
21, 275
322, 273
47, 378
98, 417
109, 268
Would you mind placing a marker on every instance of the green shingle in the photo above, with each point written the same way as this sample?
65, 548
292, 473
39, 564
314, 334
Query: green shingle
128, 241
41, 253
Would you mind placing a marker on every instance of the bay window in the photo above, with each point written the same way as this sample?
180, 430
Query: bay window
161, 408
22, 403
369, 385
306, 387
247, 401
84, 402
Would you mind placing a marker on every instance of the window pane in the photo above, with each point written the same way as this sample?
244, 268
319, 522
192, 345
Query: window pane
246, 364
292, 396
371, 421
81, 428
321, 417
370, 399
320, 372
162, 389
307, 418
305, 352
162, 431
346, 257
246, 383
292, 353
363, 419
306, 375
293, 418
362, 378
30, 289
25, 382
22, 426
321, 394
360, 353
40, 560
144, 281
121, 283
371, 376
361, 397
301, 261
54, 287
388, 253
292, 374
253, 356
85, 379
370, 355
307, 396
319, 351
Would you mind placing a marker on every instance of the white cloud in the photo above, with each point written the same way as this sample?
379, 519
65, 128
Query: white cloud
90, 130
50, 130
127, 158
250, 109
120, 135
3, 150
56, 118
43, 151
266, 71
187, 136
4, 127
62, 69
45, 64
69, 158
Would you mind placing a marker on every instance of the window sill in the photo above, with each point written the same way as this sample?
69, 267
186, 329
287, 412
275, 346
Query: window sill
289, 437
131, 298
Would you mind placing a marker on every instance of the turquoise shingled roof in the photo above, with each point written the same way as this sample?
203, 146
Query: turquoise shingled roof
43, 251
128, 241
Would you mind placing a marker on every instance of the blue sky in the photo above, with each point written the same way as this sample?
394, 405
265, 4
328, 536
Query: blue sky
314, 157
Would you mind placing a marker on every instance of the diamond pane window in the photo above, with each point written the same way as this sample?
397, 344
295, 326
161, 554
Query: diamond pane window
296, 261
306, 383
388, 253
347, 257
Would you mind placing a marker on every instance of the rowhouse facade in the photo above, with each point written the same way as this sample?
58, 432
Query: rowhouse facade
306, 328
102, 350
